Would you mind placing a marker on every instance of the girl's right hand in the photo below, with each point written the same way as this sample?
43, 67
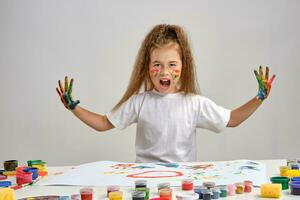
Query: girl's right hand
65, 94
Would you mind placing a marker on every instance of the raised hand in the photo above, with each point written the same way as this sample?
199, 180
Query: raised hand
65, 94
264, 83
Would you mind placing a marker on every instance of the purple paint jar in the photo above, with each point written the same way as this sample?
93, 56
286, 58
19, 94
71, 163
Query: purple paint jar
295, 187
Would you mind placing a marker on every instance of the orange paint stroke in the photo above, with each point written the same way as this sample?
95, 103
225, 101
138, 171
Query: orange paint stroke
143, 174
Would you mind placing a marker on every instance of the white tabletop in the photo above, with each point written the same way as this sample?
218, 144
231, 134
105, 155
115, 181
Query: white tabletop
100, 192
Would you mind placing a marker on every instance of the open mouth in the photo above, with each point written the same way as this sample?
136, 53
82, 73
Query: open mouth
165, 83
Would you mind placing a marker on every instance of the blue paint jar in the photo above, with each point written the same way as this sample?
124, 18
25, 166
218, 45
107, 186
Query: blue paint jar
296, 178
35, 172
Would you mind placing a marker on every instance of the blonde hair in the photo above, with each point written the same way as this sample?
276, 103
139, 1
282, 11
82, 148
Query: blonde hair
159, 36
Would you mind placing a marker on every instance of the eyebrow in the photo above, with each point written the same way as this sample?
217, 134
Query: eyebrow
156, 61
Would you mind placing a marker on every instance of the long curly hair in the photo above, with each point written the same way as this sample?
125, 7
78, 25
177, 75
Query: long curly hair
159, 36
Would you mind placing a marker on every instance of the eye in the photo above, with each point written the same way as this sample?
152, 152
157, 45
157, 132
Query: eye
173, 65
156, 65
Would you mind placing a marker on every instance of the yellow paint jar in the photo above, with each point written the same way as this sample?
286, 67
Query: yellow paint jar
7, 194
270, 190
117, 195
284, 170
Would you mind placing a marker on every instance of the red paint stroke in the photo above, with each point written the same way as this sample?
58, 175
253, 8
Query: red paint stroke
122, 166
154, 70
143, 174
176, 70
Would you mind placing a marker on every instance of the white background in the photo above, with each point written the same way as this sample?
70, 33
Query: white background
96, 42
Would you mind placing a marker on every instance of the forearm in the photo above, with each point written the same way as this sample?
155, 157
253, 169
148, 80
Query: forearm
94, 120
238, 115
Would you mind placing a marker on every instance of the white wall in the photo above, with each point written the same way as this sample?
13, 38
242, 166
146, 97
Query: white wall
96, 43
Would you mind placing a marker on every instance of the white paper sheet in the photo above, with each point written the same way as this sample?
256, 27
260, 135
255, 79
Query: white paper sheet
104, 173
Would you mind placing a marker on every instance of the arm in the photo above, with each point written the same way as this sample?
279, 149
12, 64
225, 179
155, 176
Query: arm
95, 121
240, 114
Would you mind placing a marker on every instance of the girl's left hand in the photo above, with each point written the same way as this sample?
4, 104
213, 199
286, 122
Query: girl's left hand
65, 94
264, 83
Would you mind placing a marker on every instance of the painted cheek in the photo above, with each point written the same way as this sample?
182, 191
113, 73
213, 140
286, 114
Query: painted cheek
175, 73
154, 71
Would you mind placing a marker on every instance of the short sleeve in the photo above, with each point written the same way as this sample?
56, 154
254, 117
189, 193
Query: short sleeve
126, 114
211, 116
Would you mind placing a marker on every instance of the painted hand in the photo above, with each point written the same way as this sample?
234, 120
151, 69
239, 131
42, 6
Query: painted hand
65, 94
264, 83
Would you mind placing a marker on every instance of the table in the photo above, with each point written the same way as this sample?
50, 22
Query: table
272, 167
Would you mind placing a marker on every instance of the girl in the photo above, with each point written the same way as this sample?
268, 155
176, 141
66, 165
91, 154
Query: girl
168, 108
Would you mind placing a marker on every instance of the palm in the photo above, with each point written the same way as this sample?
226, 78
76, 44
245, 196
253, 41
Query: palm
264, 83
65, 94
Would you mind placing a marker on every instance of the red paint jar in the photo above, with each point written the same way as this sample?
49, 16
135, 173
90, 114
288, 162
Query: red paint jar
248, 185
165, 193
187, 184
86, 193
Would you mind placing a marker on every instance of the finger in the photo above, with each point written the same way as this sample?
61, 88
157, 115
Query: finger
70, 87
272, 79
59, 93
66, 83
260, 82
260, 72
60, 87
64, 102
267, 73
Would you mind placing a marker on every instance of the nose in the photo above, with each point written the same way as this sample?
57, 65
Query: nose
165, 70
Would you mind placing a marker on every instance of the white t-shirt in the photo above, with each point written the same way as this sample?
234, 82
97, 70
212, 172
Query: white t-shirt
166, 124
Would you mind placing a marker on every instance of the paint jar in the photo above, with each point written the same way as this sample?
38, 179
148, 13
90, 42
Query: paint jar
7, 194
295, 187
159, 198
296, 178
86, 193
5, 184
165, 193
223, 190
284, 170
34, 171
239, 188
215, 193
112, 188
187, 196
209, 184
24, 178
75, 197
283, 180
138, 195
3, 177
295, 166
207, 194
140, 183
187, 184
117, 195
9, 173
163, 185
199, 191
64, 198
144, 189
248, 186
270, 190
231, 189
293, 173
33, 162
10, 165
